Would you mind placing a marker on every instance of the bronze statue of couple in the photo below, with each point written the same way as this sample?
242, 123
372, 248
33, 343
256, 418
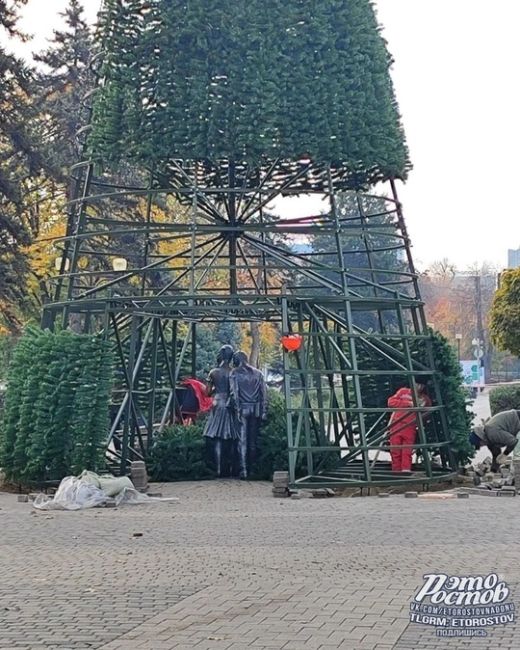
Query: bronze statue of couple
239, 406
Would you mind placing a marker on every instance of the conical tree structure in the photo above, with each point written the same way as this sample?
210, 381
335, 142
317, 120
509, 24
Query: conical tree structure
206, 113
248, 81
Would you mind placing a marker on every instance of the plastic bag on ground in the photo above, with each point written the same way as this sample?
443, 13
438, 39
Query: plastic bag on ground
89, 490
114, 485
129, 495
72, 494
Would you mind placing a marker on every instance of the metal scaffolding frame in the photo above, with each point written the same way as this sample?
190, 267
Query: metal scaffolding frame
201, 244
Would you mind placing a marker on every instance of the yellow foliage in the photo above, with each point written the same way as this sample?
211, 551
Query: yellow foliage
42, 253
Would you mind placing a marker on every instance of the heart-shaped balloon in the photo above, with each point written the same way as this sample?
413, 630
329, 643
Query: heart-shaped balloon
292, 342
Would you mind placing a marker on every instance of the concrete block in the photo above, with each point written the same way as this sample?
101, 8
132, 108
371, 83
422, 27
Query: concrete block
383, 495
281, 479
23, 498
462, 495
410, 495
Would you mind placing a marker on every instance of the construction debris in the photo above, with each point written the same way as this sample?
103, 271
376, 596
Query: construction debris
139, 476
281, 485
489, 482
281, 489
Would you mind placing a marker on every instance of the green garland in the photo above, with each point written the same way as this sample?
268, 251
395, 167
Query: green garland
55, 419
250, 80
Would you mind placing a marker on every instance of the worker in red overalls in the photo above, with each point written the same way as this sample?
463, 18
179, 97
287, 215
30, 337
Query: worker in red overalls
403, 426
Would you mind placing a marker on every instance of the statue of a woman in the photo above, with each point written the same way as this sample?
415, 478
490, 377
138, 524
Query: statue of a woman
249, 395
221, 429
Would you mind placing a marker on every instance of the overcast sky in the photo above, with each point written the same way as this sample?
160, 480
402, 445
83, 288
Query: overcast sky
456, 78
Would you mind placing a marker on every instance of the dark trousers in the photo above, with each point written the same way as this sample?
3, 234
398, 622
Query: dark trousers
496, 450
247, 443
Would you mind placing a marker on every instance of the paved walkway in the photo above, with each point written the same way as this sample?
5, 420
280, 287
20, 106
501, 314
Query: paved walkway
230, 567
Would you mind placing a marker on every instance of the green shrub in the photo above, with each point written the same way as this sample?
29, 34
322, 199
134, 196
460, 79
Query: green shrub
272, 442
179, 454
55, 419
272, 445
504, 398
7, 344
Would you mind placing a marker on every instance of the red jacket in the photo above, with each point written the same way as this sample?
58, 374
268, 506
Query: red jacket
205, 402
402, 419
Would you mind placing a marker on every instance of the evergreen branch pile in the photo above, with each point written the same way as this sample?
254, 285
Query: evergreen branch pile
55, 418
251, 81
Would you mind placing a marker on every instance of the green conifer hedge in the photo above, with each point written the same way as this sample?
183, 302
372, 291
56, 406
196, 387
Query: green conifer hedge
55, 419
248, 80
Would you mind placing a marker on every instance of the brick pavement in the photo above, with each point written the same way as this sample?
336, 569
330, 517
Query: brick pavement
229, 567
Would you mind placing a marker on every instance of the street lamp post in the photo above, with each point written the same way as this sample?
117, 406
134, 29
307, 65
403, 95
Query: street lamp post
458, 337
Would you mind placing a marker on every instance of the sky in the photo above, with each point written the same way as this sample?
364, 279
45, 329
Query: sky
456, 81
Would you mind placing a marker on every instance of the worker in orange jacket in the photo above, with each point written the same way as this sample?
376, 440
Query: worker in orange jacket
403, 426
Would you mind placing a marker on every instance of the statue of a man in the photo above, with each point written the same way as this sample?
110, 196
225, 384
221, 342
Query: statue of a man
249, 395
221, 429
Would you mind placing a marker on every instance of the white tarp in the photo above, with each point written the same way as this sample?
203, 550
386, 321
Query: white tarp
90, 490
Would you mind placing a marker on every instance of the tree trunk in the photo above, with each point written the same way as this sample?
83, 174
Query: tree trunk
254, 357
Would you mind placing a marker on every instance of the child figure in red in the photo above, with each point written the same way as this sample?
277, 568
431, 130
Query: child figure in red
403, 426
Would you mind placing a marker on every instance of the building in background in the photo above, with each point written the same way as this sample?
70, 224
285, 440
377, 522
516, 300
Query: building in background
513, 258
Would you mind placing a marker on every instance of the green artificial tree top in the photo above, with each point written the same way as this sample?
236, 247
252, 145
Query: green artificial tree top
249, 81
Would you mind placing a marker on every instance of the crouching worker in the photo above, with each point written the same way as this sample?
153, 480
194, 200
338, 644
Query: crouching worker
403, 426
498, 432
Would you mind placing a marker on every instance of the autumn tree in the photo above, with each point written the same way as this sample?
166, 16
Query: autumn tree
459, 303
505, 313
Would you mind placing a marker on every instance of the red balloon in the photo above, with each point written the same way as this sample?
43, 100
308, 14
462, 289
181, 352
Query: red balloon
292, 342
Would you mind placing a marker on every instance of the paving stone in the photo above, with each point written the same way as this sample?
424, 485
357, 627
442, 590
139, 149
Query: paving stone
230, 561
